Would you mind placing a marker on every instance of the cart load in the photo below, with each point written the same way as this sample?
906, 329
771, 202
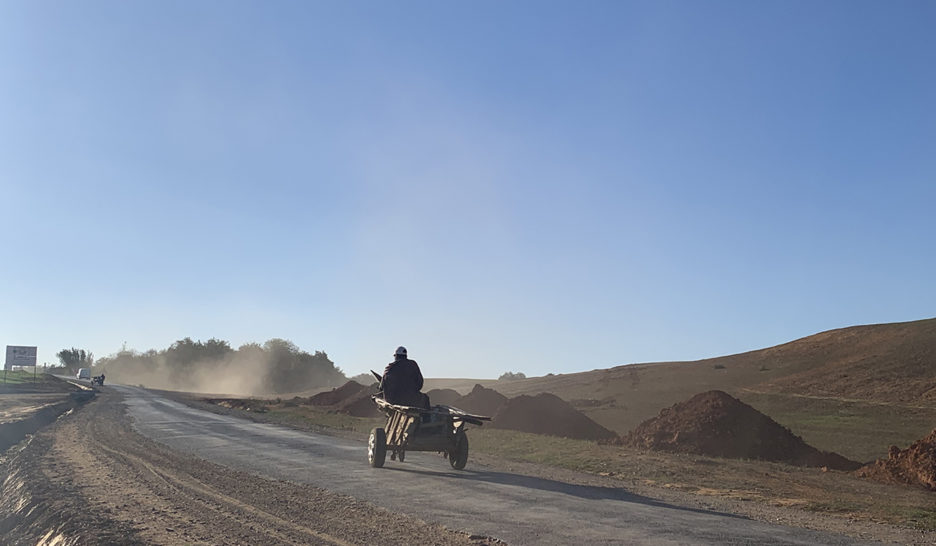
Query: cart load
440, 428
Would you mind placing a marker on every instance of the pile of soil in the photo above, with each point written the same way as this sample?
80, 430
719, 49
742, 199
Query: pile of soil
444, 397
915, 465
481, 401
715, 423
546, 413
351, 398
360, 404
337, 395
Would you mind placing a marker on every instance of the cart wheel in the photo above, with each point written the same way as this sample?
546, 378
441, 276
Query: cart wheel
377, 447
459, 456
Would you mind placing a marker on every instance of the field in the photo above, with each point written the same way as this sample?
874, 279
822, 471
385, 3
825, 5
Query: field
747, 485
18, 377
861, 431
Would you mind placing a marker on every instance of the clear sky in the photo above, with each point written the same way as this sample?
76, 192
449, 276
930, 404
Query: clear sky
524, 186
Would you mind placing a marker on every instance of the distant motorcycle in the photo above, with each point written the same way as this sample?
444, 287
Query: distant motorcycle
99, 379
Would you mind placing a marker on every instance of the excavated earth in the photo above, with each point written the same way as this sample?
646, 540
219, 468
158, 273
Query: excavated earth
445, 397
351, 398
915, 465
360, 406
338, 395
548, 414
481, 401
90, 479
715, 423
541, 414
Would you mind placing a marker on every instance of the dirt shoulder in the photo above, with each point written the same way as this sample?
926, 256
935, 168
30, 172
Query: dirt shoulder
90, 479
27, 407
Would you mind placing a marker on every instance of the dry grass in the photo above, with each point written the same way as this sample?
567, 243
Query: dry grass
861, 431
757, 481
19, 377
338, 421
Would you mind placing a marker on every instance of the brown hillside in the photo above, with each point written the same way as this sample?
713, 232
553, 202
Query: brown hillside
915, 465
716, 424
886, 363
548, 414
883, 362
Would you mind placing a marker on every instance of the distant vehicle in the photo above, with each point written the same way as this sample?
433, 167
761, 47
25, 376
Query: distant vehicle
83, 373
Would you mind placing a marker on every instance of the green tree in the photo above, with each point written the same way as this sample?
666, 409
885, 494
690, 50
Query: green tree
73, 358
292, 370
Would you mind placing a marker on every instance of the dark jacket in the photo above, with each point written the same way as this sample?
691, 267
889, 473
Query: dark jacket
402, 382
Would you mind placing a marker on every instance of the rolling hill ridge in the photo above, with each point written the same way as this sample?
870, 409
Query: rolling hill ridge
833, 387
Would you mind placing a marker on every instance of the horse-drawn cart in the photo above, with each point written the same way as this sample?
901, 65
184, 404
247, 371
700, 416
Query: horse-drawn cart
441, 429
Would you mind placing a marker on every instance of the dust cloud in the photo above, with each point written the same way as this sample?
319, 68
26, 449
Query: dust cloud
237, 376
275, 368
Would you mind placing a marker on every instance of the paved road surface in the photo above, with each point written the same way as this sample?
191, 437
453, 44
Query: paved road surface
515, 508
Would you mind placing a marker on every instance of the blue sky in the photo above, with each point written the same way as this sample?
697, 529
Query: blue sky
525, 186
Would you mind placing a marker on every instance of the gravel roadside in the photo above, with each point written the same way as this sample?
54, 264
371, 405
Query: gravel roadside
90, 479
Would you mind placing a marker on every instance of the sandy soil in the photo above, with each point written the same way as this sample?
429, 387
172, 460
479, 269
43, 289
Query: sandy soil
89, 479
14, 407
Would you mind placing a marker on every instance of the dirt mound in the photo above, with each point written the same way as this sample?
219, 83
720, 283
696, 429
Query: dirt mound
338, 395
445, 397
360, 404
915, 465
715, 423
480, 401
546, 413
351, 398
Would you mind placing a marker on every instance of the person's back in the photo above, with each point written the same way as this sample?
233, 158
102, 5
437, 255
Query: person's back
402, 381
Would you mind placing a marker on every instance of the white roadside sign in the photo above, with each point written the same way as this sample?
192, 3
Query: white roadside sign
17, 355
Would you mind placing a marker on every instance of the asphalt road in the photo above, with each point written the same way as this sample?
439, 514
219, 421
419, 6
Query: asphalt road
512, 507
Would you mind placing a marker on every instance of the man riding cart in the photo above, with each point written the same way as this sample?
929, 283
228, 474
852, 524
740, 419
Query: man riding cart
412, 424
402, 382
